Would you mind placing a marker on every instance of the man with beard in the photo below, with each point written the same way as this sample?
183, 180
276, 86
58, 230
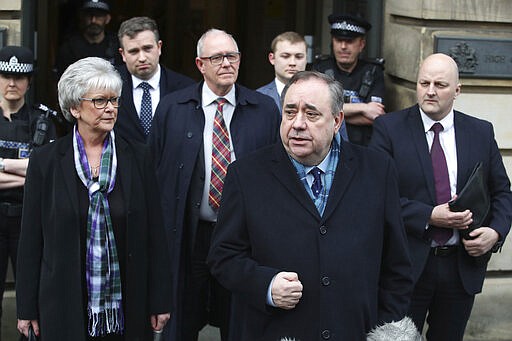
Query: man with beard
92, 40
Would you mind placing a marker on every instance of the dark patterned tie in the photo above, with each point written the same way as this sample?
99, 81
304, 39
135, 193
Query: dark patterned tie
442, 183
145, 108
316, 186
221, 156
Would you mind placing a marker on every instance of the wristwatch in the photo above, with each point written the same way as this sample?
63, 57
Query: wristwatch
2, 165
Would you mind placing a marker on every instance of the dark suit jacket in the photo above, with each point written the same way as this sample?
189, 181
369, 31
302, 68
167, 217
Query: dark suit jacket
177, 144
49, 277
128, 122
401, 135
353, 261
271, 90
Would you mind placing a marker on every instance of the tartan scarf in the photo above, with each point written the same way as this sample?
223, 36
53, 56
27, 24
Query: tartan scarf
334, 155
104, 308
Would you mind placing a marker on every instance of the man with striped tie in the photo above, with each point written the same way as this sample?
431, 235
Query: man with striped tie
198, 132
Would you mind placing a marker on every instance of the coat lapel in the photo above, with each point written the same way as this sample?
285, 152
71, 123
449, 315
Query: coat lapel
463, 144
67, 169
417, 131
124, 169
345, 170
163, 83
127, 105
285, 172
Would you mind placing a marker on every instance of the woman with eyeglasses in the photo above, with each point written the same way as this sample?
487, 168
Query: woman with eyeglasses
94, 263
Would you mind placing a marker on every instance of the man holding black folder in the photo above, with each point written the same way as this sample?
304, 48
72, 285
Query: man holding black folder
435, 149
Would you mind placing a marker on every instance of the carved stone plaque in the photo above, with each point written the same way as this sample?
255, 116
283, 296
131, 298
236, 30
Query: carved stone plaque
478, 57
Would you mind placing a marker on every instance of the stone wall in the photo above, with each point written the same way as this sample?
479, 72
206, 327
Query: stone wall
10, 22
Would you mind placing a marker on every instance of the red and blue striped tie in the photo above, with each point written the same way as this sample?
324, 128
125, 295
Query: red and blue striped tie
221, 156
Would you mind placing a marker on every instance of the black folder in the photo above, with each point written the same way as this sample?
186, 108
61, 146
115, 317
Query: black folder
474, 196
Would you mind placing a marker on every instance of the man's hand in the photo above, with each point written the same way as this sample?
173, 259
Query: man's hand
373, 110
485, 238
441, 216
362, 113
286, 290
24, 325
158, 321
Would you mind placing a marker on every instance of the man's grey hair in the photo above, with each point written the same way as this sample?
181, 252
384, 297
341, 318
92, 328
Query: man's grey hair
335, 88
84, 75
134, 26
212, 31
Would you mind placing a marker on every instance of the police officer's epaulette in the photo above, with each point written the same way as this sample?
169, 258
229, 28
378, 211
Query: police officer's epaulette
376, 61
322, 57
44, 109
325, 64
49, 113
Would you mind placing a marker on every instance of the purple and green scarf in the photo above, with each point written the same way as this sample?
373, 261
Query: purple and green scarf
103, 275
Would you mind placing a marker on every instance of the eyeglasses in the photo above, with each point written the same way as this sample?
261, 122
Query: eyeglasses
219, 58
101, 103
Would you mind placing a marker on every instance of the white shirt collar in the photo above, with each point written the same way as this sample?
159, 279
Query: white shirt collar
153, 81
279, 87
322, 165
208, 96
446, 122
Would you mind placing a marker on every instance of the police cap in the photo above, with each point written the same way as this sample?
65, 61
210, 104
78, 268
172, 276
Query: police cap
16, 60
98, 5
348, 26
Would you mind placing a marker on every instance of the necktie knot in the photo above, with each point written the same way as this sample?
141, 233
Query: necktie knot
145, 86
437, 127
316, 186
220, 102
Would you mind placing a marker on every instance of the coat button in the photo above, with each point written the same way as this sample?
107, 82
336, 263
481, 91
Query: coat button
198, 204
190, 134
323, 229
326, 280
181, 166
326, 334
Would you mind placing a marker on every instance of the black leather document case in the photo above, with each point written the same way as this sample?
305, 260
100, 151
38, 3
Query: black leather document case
474, 196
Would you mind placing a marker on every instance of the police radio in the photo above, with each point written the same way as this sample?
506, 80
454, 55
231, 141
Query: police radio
369, 77
42, 124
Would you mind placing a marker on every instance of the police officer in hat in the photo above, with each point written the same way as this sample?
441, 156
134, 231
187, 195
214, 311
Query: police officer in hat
363, 80
92, 41
22, 128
